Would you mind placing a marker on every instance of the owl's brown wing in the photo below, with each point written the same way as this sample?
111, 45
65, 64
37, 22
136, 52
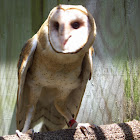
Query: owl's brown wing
25, 61
75, 98
89, 61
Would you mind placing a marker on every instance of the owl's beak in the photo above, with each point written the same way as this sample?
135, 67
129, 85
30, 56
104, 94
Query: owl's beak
64, 40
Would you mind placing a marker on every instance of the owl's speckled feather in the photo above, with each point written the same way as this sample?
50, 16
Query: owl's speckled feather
53, 69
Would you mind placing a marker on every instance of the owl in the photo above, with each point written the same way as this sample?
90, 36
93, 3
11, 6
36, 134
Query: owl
53, 69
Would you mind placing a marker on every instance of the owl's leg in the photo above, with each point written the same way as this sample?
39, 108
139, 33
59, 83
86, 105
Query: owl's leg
85, 128
66, 107
33, 98
61, 107
73, 103
28, 118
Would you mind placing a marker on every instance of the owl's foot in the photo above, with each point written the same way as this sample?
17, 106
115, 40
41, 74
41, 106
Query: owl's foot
30, 132
85, 128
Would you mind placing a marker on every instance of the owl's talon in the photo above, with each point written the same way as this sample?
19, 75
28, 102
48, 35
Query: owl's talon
19, 134
30, 132
86, 128
82, 128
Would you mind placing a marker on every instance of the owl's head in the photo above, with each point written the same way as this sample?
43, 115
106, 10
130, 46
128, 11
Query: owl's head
70, 28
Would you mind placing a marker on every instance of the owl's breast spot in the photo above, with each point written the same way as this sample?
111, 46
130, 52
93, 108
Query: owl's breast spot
59, 80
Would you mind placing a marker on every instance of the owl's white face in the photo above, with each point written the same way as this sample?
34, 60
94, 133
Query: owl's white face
68, 29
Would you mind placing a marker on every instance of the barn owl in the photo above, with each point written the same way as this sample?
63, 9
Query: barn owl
53, 69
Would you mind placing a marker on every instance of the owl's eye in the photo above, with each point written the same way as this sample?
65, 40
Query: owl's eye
75, 25
56, 25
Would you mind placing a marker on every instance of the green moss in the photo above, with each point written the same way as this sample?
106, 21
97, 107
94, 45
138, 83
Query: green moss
132, 95
135, 89
127, 82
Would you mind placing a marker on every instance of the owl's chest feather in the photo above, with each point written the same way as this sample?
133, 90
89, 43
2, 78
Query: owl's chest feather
47, 73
